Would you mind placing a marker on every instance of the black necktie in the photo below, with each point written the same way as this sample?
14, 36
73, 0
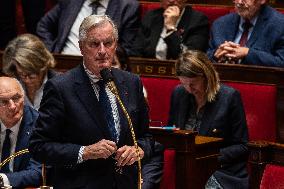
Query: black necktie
244, 38
6, 150
95, 6
105, 103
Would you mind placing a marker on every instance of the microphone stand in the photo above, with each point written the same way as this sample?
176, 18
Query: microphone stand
113, 89
21, 152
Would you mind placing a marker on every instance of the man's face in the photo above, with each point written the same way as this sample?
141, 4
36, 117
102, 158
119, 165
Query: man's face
167, 3
98, 48
248, 9
11, 101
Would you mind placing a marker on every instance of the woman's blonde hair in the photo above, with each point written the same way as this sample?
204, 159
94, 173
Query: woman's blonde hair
194, 63
29, 53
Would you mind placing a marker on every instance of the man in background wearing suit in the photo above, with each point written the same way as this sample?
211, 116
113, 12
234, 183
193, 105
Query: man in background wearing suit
168, 30
83, 135
253, 35
17, 122
59, 27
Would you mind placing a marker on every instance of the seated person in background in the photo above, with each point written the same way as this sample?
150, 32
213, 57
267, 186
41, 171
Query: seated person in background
166, 31
59, 27
17, 122
27, 59
253, 35
202, 104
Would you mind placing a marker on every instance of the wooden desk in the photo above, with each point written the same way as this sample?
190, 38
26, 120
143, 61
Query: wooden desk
196, 156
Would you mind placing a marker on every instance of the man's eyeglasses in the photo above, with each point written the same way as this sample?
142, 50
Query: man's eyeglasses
6, 101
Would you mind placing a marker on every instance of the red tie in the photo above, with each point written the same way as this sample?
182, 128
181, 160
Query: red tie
244, 38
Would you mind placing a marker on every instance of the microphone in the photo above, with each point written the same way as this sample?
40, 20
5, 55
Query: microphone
109, 80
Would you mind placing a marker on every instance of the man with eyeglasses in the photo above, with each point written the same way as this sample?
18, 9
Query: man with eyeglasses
16, 121
253, 35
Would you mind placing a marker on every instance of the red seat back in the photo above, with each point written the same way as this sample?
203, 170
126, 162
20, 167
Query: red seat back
159, 92
272, 177
260, 107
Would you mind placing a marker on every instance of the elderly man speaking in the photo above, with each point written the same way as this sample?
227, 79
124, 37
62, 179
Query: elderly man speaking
81, 129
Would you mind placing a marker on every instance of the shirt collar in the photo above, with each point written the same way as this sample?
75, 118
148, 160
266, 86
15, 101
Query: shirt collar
252, 21
93, 77
14, 129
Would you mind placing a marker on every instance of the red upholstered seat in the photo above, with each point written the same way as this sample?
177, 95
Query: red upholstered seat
169, 176
159, 91
273, 177
260, 107
147, 6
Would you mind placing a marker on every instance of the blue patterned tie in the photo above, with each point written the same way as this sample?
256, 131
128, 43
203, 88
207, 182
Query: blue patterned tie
6, 150
105, 103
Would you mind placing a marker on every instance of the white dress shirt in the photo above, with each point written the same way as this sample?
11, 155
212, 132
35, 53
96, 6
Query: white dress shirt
72, 45
13, 138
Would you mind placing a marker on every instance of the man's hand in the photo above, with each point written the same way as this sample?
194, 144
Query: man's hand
127, 155
102, 149
230, 50
171, 15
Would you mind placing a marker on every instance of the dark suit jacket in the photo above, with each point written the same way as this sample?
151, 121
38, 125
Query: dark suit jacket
192, 32
70, 116
27, 172
55, 26
225, 118
266, 43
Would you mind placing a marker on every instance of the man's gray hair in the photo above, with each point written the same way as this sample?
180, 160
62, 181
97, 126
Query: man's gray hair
93, 21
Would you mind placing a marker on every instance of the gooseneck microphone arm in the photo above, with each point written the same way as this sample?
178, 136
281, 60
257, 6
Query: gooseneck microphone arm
21, 152
108, 78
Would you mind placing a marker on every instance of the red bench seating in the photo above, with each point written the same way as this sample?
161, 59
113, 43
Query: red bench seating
272, 177
260, 97
259, 103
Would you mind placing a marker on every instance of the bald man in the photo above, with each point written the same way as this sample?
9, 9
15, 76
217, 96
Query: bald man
16, 122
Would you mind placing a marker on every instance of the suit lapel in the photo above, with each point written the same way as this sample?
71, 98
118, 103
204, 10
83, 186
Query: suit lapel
233, 28
23, 135
112, 11
87, 96
157, 27
70, 16
259, 26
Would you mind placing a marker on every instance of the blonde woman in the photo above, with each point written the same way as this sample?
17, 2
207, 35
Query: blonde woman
202, 104
27, 59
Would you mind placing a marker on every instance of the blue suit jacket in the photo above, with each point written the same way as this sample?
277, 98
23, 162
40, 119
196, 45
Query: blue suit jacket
224, 118
55, 26
70, 116
27, 172
266, 43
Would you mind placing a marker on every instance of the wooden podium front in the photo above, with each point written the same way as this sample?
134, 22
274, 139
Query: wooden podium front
196, 156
